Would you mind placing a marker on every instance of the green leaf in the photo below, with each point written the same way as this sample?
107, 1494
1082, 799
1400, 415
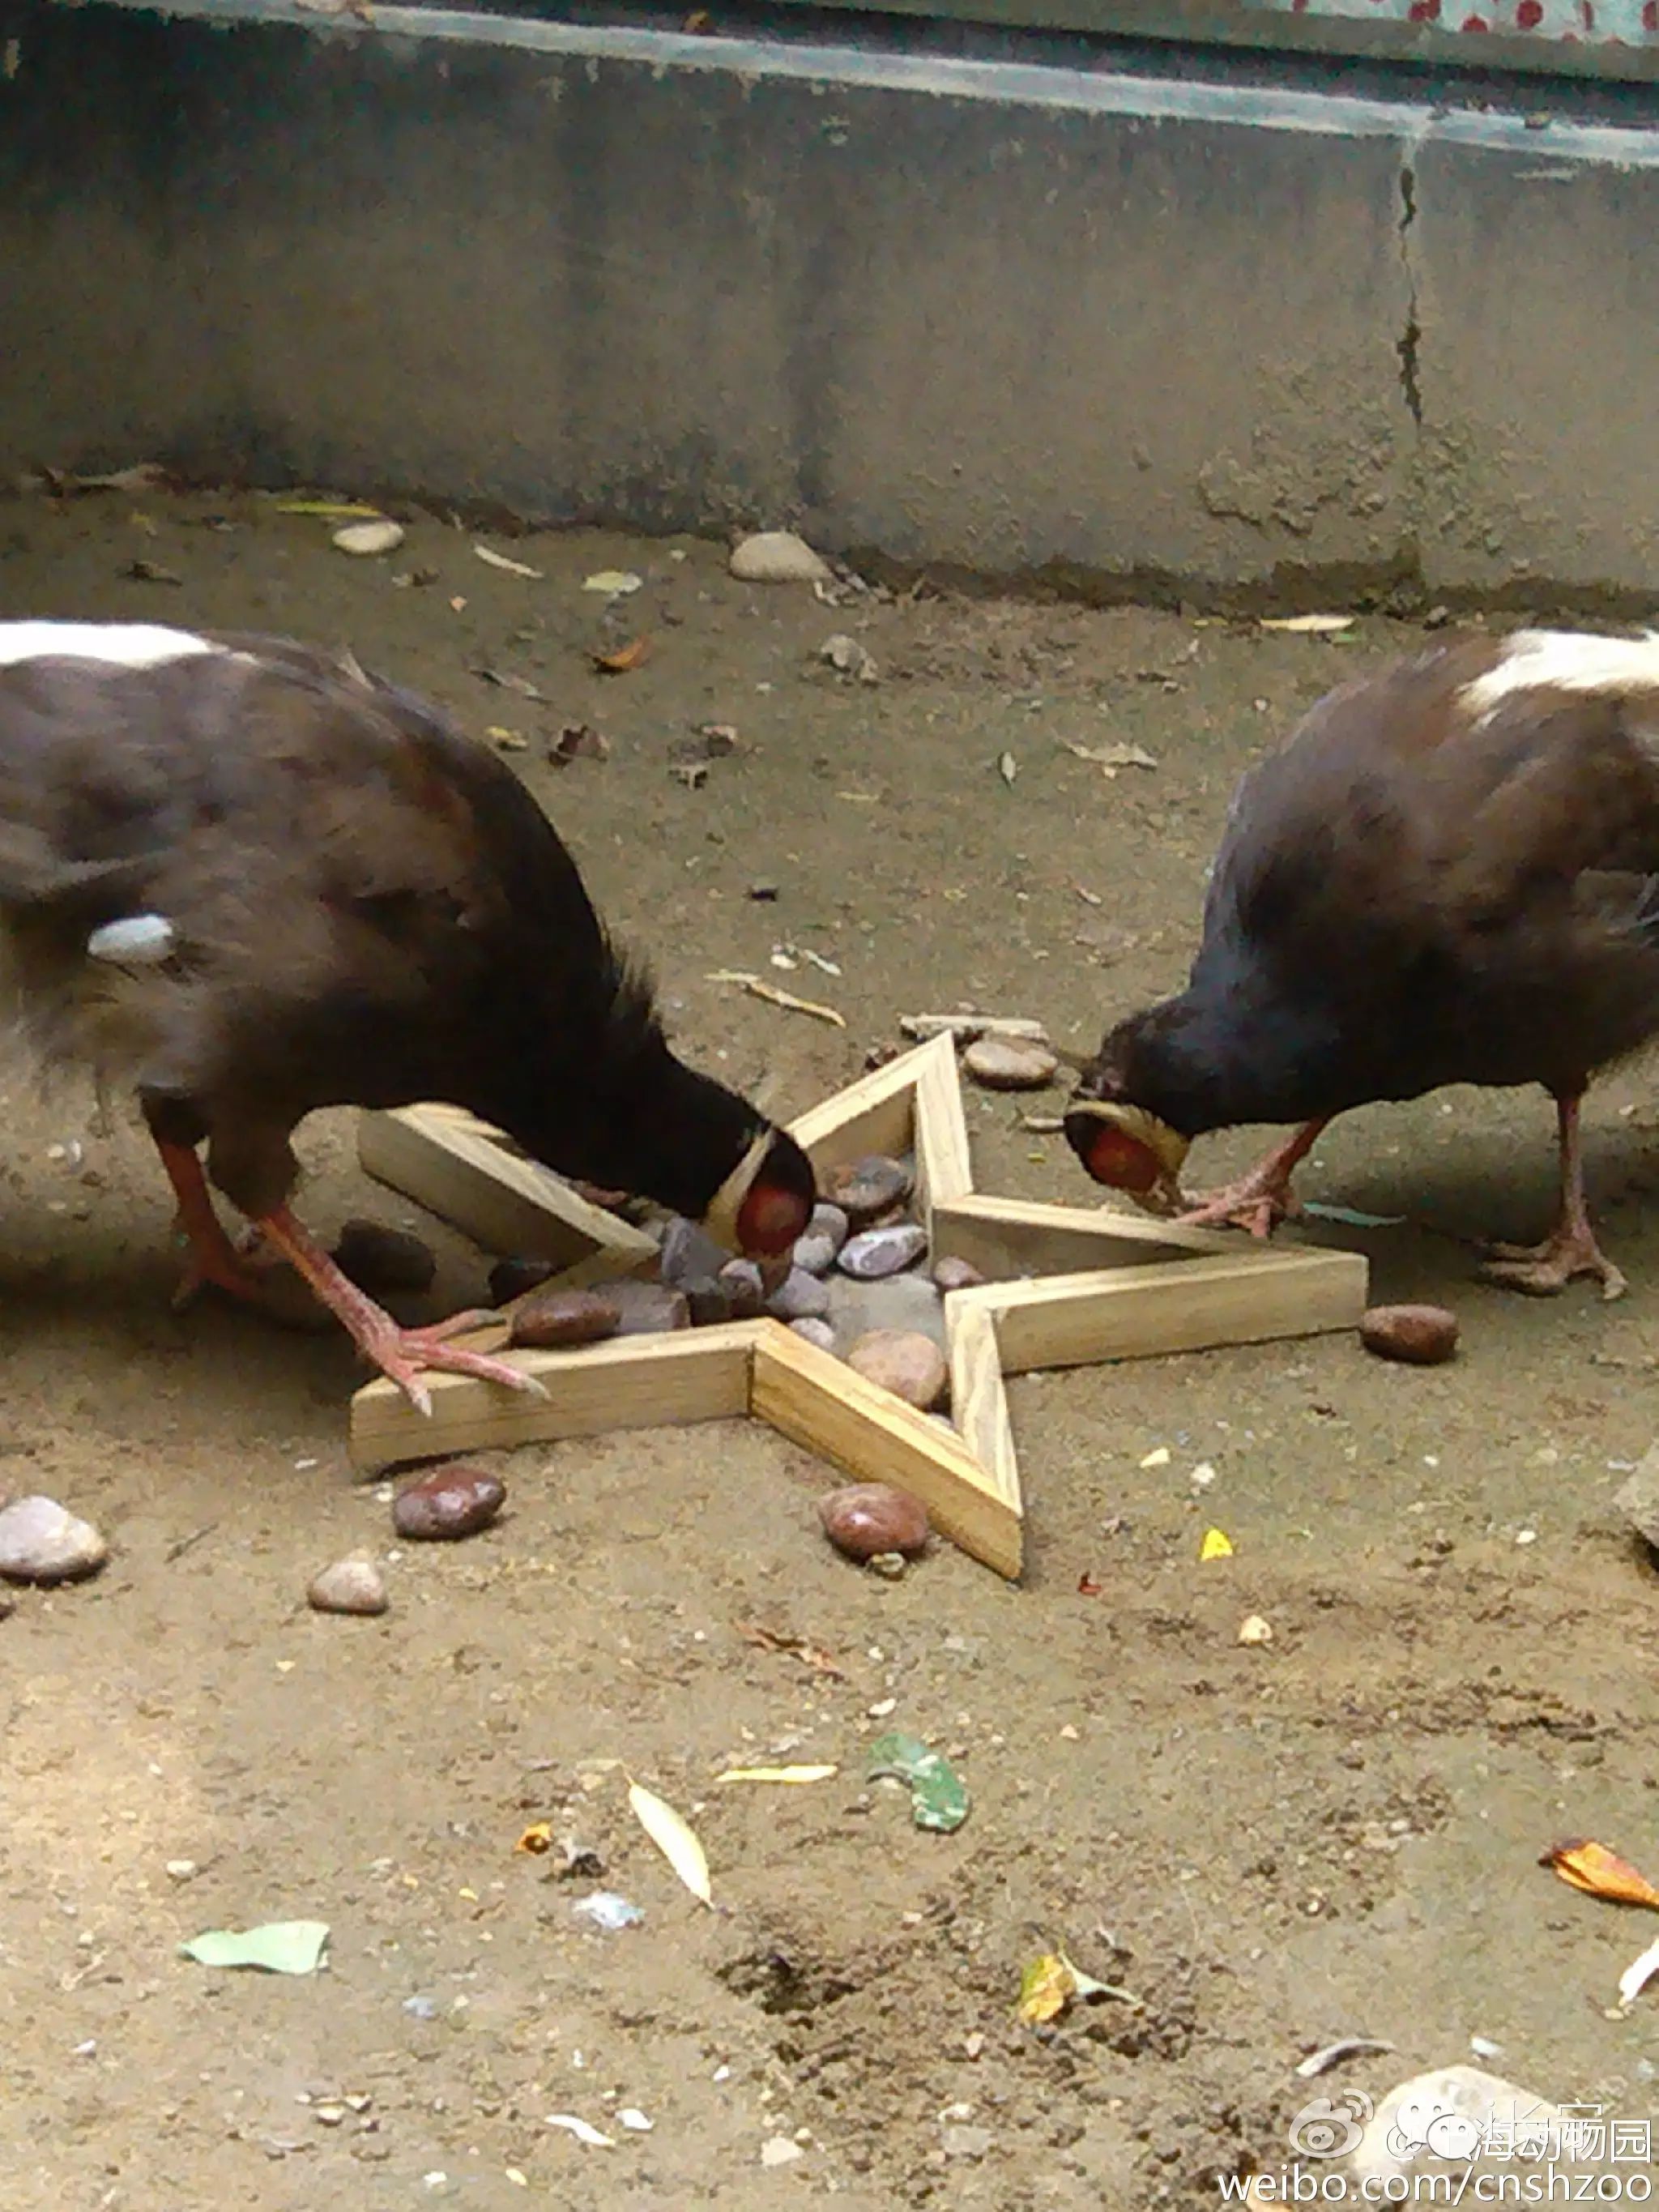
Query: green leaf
280, 1947
937, 1797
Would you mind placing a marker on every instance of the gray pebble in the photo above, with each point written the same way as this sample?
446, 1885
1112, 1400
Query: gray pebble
816, 1254
644, 1308
867, 1187
709, 1298
799, 1296
1009, 1063
951, 1273
689, 1254
353, 1585
40, 1541
828, 1221
877, 1252
815, 1332
743, 1280
908, 1301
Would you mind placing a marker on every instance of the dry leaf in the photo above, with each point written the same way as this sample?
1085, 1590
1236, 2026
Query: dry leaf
584, 2130
537, 1839
1636, 1976
1217, 1545
491, 559
1007, 767
578, 741
1046, 1987
1592, 1866
624, 658
505, 680
794, 1647
613, 582
1109, 758
777, 1774
673, 1839
1310, 625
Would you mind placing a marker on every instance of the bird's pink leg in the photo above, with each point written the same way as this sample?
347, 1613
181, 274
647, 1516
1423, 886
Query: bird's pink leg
400, 1353
213, 1258
1570, 1248
1261, 1199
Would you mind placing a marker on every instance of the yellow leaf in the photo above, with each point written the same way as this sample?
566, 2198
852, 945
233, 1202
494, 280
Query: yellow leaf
1310, 625
537, 1837
1592, 1866
1216, 1545
624, 656
673, 1839
491, 559
1046, 1988
777, 1774
331, 510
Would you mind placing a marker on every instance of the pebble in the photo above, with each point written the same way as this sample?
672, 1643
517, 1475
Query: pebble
814, 1331
868, 1187
689, 1254
1423, 1336
828, 1221
869, 1520
874, 1253
965, 2142
453, 1501
552, 1317
364, 538
710, 1299
510, 1278
40, 1541
908, 1301
816, 1254
903, 1361
1009, 1063
742, 1278
353, 1585
777, 556
378, 1260
647, 1309
799, 1296
951, 1273
780, 2150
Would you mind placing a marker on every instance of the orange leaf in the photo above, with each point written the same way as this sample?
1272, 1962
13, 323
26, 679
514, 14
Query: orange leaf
1592, 1866
624, 658
535, 1838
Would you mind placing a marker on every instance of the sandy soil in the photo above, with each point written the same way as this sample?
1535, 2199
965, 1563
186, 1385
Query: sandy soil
1271, 1847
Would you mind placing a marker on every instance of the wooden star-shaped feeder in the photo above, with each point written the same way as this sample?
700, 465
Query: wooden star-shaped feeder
1068, 1286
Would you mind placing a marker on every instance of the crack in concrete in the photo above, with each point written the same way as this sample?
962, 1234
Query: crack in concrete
1411, 339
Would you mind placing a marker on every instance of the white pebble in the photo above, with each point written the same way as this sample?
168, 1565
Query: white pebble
1009, 1063
352, 1585
41, 1542
877, 1252
364, 538
138, 940
777, 556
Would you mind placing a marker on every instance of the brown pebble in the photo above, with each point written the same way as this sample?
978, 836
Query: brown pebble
451, 1502
951, 1273
352, 1585
645, 1309
905, 1362
1009, 1063
1423, 1336
867, 1187
742, 1278
378, 1260
552, 1317
510, 1278
866, 1519
710, 1299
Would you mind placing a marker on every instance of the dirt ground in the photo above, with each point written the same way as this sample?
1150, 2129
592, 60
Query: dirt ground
1270, 1847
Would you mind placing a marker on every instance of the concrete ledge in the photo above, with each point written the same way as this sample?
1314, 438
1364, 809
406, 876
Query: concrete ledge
1019, 321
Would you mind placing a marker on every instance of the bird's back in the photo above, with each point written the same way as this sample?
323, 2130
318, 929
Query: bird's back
1451, 859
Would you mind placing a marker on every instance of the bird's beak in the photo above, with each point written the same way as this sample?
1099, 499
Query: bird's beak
1128, 1149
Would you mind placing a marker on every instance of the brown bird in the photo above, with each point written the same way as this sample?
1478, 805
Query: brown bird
1448, 874
247, 880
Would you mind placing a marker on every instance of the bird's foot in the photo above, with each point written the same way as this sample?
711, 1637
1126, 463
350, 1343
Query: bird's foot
1255, 1203
401, 1355
212, 1261
1543, 1271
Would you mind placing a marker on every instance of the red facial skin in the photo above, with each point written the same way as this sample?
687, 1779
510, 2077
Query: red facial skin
770, 1219
1122, 1162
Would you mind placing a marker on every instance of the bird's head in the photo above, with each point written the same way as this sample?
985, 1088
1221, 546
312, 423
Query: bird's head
766, 1203
1120, 1144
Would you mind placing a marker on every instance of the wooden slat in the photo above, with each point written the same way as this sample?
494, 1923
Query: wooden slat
876, 1114
1008, 1237
812, 1398
979, 1404
455, 1168
630, 1383
1187, 1305
944, 1168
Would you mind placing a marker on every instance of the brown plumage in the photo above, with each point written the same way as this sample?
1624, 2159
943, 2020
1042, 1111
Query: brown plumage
368, 909
1447, 875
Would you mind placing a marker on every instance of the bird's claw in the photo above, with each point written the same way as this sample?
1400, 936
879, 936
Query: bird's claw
402, 1353
1543, 1271
1249, 1205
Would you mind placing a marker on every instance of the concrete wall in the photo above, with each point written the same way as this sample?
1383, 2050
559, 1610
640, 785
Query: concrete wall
1011, 319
